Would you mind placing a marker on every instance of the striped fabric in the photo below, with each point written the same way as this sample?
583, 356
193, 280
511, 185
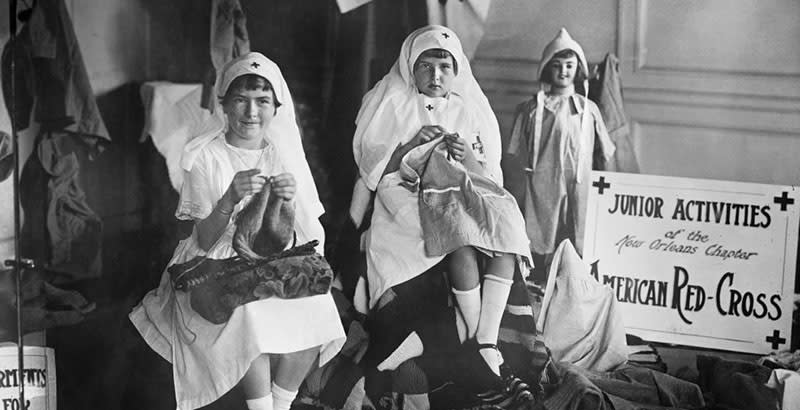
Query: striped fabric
523, 350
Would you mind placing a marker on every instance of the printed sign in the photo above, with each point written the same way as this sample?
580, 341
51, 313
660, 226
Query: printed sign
696, 262
39, 377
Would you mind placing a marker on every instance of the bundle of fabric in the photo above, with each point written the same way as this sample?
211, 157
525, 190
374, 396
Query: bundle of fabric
644, 354
782, 360
736, 384
581, 319
260, 271
629, 388
44, 305
219, 286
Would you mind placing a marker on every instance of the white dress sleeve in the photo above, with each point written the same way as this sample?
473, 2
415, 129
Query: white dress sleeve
196, 200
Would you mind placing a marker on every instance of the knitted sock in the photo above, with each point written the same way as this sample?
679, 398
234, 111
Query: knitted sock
283, 398
469, 302
495, 297
261, 403
409, 349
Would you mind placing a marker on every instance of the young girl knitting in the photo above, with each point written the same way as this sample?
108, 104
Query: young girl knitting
557, 135
428, 143
268, 345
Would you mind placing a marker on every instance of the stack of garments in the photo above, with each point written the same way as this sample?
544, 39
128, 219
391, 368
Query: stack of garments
643, 354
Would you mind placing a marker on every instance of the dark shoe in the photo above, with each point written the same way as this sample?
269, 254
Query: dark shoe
475, 373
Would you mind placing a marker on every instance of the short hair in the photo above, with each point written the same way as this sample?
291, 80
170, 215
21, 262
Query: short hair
566, 53
251, 82
438, 53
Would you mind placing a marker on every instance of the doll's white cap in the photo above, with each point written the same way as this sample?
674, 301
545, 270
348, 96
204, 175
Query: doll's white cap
562, 41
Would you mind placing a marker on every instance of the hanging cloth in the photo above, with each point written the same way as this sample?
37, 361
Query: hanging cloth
60, 228
606, 91
228, 40
465, 17
50, 76
51, 83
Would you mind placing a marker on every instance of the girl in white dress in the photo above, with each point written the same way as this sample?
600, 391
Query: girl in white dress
267, 345
429, 94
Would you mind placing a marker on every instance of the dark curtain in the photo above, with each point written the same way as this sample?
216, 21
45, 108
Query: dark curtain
361, 47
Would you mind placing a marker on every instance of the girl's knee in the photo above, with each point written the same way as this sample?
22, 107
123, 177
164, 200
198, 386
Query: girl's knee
502, 265
464, 252
463, 268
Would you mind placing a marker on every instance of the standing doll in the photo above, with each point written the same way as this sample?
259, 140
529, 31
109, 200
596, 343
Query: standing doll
557, 135
267, 345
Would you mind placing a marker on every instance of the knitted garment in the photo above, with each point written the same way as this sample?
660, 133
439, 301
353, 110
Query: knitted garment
237, 282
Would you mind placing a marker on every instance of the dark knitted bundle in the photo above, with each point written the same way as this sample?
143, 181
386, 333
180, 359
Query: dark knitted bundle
218, 286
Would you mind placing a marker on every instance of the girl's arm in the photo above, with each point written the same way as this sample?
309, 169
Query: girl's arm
213, 226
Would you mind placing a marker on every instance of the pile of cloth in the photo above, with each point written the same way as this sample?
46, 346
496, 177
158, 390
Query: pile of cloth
581, 358
44, 305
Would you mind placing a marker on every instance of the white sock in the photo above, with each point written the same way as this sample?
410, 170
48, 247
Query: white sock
283, 398
469, 302
409, 349
495, 297
261, 403
461, 327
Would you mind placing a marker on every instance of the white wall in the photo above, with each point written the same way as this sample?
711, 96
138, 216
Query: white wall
712, 87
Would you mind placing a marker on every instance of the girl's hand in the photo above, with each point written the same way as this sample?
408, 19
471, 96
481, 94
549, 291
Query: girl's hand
245, 183
456, 146
425, 134
283, 186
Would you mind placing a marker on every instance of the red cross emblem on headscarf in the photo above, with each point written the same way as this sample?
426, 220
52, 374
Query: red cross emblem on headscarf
254, 65
445, 35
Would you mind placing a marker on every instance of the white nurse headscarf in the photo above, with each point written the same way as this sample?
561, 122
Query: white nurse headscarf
282, 131
388, 114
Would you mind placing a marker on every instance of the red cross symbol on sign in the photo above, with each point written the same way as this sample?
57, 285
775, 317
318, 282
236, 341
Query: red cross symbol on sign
776, 339
783, 200
601, 184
